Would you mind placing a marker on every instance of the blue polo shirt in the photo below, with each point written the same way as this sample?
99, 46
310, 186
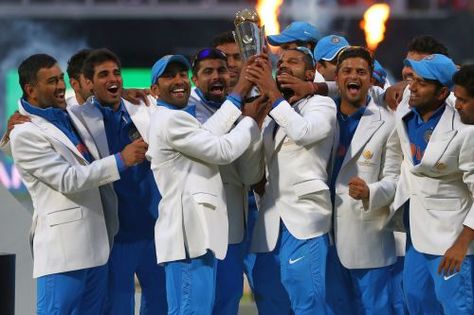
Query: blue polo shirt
347, 127
61, 120
137, 193
419, 131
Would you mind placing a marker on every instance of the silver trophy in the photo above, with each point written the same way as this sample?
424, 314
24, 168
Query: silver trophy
250, 37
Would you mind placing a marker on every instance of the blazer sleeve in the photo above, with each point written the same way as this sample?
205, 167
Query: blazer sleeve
466, 165
184, 133
316, 122
223, 119
382, 192
34, 154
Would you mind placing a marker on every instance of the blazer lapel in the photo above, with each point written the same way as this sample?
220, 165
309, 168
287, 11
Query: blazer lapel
281, 134
268, 141
94, 121
140, 116
402, 111
84, 134
369, 123
52, 131
440, 139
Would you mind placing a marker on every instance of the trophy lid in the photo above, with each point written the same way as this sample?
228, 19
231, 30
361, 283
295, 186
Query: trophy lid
246, 15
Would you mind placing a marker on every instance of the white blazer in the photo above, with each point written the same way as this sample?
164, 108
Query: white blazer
69, 229
236, 176
360, 237
184, 159
296, 168
440, 188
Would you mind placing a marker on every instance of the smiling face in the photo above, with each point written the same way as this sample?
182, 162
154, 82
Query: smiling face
353, 80
173, 85
49, 89
107, 83
213, 79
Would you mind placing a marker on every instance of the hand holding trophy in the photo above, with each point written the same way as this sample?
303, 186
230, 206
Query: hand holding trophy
250, 37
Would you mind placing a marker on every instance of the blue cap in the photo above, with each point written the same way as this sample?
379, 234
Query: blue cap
329, 46
160, 66
296, 31
379, 74
434, 67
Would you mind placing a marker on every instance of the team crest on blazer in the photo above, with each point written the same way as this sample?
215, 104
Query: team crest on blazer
440, 166
367, 154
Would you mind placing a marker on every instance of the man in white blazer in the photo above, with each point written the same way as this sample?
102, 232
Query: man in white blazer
435, 191
192, 227
211, 78
61, 169
291, 232
113, 122
363, 181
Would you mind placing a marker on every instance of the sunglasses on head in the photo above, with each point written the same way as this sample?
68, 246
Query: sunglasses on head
208, 53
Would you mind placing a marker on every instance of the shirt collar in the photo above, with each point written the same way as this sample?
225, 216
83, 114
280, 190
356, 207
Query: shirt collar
51, 114
436, 114
103, 108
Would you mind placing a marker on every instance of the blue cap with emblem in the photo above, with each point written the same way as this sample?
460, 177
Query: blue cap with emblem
296, 31
379, 74
328, 47
434, 67
160, 66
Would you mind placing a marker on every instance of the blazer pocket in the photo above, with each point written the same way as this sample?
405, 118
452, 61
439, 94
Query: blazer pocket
441, 204
303, 189
206, 199
64, 216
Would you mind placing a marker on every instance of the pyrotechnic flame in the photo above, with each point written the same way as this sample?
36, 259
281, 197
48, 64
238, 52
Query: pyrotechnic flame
268, 11
373, 24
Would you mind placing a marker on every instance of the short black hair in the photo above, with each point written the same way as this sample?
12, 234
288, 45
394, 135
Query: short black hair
427, 44
465, 78
74, 65
96, 57
223, 38
29, 68
356, 52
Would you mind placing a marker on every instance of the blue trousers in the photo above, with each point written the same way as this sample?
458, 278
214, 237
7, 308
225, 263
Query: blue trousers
230, 281
128, 259
79, 292
428, 292
249, 258
338, 294
191, 285
399, 306
299, 266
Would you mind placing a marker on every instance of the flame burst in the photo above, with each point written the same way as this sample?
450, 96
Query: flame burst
268, 11
374, 24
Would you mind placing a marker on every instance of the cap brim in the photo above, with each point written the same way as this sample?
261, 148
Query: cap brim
277, 40
175, 58
332, 53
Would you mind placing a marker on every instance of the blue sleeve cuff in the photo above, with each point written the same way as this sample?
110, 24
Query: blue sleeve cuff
235, 99
120, 162
277, 102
